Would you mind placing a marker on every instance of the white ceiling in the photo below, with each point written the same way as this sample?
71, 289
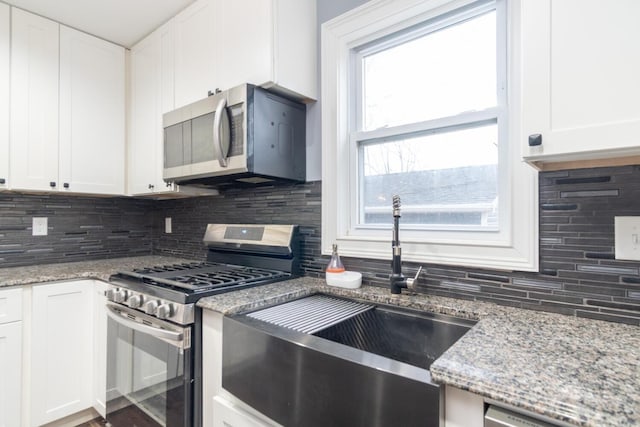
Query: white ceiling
123, 22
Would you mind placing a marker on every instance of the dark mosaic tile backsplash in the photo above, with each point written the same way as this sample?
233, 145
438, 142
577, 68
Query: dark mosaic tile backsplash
79, 228
579, 275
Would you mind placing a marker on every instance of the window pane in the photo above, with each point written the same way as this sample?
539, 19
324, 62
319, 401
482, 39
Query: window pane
440, 74
448, 178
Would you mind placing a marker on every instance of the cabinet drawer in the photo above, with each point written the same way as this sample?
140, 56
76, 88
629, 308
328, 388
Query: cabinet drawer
226, 414
10, 305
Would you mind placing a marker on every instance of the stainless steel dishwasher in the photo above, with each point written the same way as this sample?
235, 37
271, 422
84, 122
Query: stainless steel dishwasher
501, 417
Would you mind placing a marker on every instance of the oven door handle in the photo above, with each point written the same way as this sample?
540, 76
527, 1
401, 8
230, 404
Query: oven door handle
114, 313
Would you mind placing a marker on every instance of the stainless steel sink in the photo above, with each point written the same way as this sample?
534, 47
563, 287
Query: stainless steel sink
407, 336
328, 361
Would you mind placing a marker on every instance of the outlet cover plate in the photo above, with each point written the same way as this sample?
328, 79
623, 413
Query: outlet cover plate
167, 225
627, 237
39, 226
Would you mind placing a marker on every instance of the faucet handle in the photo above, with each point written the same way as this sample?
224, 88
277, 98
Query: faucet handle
413, 283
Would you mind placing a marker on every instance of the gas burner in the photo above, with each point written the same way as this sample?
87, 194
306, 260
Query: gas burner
238, 256
170, 268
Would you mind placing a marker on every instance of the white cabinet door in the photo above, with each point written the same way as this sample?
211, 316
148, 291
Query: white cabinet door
462, 408
10, 374
194, 60
10, 357
145, 143
5, 49
34, 102
244, 42
100, 348
152, 94
10, 305
62, 348
580, 78
92, 114
167, 39
273, 46
296, 47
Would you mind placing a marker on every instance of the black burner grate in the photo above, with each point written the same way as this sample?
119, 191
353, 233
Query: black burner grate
204, 275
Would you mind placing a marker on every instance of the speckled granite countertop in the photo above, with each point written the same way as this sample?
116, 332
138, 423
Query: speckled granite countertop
99, 269
584, 372
580, 371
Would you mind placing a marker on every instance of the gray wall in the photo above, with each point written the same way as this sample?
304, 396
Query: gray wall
326, 10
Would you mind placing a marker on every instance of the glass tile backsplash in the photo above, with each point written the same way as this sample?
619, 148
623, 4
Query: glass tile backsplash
579, 274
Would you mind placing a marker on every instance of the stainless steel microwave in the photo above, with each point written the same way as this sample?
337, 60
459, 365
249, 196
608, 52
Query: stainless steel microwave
244, 134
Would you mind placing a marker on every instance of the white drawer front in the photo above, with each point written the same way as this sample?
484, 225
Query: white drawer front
10, 305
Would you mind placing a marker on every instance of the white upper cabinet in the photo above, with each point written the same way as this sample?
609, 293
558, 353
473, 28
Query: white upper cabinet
580, 68
145, 142
166, 37
92, 114
34, 102
67, 115
5, 49
244, 50
213, 44
218, 45
274, 46
152, 94
194, 52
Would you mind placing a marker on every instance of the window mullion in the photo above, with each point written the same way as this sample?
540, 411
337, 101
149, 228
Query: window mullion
465, 119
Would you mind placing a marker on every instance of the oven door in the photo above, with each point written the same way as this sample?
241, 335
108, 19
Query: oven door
149, 370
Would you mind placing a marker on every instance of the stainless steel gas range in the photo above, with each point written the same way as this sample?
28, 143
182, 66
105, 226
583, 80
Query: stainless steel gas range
154, 334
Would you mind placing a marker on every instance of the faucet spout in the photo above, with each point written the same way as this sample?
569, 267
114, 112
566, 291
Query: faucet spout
396, 263
397, 280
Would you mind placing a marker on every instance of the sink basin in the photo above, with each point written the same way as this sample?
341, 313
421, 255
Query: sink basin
404, 335
322, 360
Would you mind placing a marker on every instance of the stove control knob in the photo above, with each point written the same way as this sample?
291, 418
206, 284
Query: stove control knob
135, 301
165, 310
110, 294
150, 307
120, 295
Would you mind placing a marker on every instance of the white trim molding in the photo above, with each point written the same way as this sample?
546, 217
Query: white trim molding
513, 247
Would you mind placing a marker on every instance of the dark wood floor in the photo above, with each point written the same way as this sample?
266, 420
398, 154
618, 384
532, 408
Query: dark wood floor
96, 422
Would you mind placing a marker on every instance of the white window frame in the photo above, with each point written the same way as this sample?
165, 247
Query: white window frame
514, 246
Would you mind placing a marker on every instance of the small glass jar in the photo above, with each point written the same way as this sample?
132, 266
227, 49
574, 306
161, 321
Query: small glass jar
335, 265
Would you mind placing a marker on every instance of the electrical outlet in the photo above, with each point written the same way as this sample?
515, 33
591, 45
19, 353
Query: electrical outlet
167, 225
627, 237
39, 226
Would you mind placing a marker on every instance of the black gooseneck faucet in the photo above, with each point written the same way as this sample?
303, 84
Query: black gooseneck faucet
397, 280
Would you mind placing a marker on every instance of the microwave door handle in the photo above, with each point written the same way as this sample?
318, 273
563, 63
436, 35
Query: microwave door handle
221, 133
145, 329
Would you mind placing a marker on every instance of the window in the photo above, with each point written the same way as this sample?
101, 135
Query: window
441, 73
415, 103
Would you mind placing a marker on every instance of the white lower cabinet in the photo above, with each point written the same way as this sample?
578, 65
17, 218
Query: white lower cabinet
99, 348
62, 343
10, 357
463, 408
226, 414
